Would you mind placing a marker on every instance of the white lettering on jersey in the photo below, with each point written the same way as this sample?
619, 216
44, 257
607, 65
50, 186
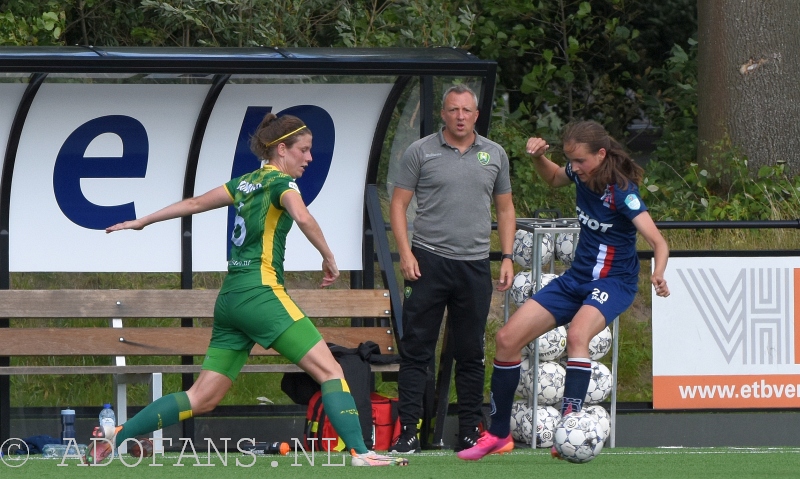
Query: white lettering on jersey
599, 296
294, 186
591, 222
246, 187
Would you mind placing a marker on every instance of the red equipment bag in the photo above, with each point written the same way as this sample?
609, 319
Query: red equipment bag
385, 421
319, 427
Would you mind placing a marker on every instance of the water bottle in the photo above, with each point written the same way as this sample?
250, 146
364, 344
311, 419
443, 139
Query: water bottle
57, 451
279, 448
67, 425
108, 420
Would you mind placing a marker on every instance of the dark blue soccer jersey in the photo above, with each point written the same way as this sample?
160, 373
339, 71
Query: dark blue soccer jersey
607, 245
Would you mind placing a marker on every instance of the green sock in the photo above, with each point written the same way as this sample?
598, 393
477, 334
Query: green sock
164, 411
341, 410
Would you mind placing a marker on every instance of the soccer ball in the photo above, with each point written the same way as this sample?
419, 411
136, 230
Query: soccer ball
547, 419
523, 248
521, 421
523, 245
600, 344
521, 287
550, 387
565, 247
600, 384
600, 413
525, 380
547, 248
545, 280
551, 344
579, 438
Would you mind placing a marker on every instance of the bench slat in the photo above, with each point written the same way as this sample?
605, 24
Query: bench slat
171, 303
164, 341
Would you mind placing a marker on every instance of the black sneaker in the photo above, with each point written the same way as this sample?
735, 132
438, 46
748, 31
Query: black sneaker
467, 440
407, 443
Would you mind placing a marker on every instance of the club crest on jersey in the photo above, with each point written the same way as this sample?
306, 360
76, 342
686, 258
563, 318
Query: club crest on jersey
483, 158
633, 202
607, 197
407, 292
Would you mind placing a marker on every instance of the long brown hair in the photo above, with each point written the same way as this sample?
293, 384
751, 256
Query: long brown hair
618, 168
274, 130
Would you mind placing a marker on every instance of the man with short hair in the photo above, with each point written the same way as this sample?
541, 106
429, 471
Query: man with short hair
455, 174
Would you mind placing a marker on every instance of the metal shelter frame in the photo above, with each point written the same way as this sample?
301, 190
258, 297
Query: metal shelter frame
36, 63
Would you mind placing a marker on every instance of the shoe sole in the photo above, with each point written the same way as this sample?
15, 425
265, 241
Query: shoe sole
362, 463
505, 449
508, 447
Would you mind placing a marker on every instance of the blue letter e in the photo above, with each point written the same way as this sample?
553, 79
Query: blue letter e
71, 165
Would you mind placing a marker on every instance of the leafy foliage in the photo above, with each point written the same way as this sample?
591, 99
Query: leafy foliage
723, 190
24, 24
672, 107
407, 23
564, 59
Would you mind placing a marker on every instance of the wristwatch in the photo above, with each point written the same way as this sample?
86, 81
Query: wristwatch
507, 256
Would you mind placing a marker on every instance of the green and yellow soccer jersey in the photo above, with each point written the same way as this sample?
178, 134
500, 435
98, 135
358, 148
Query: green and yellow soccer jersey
260, 228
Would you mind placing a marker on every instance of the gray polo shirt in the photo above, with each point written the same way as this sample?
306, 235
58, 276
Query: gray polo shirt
454, 193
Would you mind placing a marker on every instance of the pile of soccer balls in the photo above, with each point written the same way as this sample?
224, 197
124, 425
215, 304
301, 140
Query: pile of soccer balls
524, 284
576, 440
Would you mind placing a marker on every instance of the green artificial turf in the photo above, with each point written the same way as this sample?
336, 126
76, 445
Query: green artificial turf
618, 463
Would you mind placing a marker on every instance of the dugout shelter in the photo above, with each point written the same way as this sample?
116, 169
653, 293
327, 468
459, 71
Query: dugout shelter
90, 136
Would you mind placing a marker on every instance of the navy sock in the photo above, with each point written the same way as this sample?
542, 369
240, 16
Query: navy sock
505, 378
576, 383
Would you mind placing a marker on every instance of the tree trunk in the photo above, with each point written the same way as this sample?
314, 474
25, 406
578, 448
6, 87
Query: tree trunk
749, 79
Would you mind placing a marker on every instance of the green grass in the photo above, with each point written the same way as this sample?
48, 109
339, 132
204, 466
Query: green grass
619, 463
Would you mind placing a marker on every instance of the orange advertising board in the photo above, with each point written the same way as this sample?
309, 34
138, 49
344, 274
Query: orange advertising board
728, 392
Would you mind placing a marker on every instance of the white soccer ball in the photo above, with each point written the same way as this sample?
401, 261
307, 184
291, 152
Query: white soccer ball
523, 248
550, 387
547, 248
525, 380
547, 419
600, 384
521, 421
523, 245
602, 416
521, 287
545, 280
551, 344
579, 438
600, 345
565, 247
562, 360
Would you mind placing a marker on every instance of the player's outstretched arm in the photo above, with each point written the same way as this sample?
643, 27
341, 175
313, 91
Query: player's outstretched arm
293, 203
649, 231
216, 198
551, 173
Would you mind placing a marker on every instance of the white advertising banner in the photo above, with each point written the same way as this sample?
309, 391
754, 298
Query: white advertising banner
91, 155
727, 335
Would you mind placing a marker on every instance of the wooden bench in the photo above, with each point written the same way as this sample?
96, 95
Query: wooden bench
131, 306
